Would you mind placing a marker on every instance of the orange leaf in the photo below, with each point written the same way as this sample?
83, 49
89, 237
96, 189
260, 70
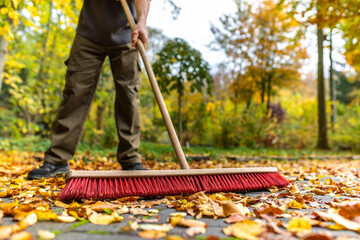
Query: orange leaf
152, 234
22, 236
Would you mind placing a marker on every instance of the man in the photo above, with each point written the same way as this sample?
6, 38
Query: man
102, 30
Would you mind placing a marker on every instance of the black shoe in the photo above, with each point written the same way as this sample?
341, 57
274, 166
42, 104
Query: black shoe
135, 166
48, 170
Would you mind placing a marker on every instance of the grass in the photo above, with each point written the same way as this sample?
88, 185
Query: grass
164, 152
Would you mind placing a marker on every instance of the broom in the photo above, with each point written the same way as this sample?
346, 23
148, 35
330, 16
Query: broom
102, 185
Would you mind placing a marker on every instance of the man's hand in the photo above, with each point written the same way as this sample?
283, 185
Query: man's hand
140, 32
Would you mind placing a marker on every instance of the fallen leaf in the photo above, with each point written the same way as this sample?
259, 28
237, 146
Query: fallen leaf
44, 234
66, 219
152, 234
46, 215
157, 227
138, 211
230, 208
247, 229
58, 203
122, 210
101, 219
299, 225
5, 232
192, 231
175, 237
295, 204
318, 191
178, 214
21, 236
180, 221
268, 210
100, 206
235, 218
317, 236
348, 224
30, 219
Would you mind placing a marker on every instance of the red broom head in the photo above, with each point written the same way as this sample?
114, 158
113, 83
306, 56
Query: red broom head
113, 188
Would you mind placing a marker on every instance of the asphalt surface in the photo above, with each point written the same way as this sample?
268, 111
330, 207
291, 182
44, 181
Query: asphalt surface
91, 231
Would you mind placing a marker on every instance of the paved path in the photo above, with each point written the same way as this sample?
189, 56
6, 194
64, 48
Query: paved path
90, 231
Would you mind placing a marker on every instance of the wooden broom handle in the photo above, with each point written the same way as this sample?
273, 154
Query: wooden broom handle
164, 112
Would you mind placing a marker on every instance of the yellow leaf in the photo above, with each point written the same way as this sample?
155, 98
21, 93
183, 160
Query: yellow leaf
4, 10
247, 229
101, 219
15, 3
46, 215
299, 225
30, 219
295, 204
151, 234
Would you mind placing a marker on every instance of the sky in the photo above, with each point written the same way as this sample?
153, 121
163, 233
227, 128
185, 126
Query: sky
194, 21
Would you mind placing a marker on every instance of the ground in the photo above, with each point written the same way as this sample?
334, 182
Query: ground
321, 202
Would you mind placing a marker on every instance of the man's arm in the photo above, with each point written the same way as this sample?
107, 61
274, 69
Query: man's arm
140, 30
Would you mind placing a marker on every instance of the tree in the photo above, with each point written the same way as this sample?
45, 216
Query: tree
9, 17
260, 41
322, 14
178, 63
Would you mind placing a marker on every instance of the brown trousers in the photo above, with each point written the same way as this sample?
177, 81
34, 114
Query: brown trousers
83, 70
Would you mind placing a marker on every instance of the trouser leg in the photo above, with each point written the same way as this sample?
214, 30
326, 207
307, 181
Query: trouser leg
83, 69
126, 71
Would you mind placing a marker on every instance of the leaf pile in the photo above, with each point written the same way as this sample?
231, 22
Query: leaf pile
323, 197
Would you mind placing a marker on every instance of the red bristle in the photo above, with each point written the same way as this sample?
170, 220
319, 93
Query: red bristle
112, 188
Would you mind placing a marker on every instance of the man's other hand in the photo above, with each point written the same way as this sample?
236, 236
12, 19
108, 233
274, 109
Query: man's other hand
140, 32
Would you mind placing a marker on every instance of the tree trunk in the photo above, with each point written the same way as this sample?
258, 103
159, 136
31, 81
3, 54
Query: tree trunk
99, 116
332, 86
262, 90
269, 87
3, 52
322, 124
45, 46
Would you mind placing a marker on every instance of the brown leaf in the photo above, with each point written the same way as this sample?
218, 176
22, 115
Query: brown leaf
351, 212
151, 234
192, 231
318, 191
139, 211
180, 221
317, 236
230, 208
235, 218
100, 206
268, 210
